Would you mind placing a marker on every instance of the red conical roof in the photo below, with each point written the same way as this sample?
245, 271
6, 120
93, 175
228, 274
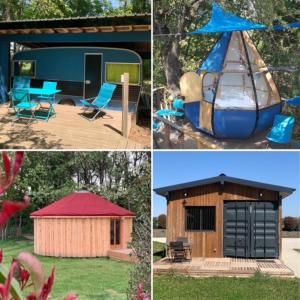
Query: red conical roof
82, 204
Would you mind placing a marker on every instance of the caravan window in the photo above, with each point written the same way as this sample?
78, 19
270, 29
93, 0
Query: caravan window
114, 71
24, 68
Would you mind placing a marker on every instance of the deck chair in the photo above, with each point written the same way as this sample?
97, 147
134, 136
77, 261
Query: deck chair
282, 130
178, 105
177, 251
24, 107
101, 101
48, 85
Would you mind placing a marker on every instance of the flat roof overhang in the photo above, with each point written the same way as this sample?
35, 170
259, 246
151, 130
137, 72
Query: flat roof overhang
130, 32
139, 22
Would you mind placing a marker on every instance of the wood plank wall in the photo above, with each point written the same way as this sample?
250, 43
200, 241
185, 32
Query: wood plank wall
76, 237
208, 243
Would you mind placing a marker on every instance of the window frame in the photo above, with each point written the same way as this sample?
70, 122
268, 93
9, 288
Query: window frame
123, 63
24, 60
200, 230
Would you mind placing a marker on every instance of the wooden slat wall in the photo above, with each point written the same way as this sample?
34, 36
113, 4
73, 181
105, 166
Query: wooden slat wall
76, 237
208, 243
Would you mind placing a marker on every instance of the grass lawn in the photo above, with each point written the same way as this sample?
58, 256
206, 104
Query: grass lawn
158, 251
257, 287
90, 278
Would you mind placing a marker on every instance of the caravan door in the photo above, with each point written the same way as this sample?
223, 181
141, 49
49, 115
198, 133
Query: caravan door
92, 74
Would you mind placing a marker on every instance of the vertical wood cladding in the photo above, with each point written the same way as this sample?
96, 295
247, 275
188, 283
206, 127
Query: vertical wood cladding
209, 243
77, 237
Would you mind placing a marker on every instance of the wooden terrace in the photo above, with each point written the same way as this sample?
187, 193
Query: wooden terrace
239, 267
66, 130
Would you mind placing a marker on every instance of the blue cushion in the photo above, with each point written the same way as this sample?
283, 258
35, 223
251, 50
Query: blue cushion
282, 129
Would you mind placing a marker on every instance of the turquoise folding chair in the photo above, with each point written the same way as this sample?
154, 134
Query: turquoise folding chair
282, 130
50, 99
101, 101
178, 105
24, 107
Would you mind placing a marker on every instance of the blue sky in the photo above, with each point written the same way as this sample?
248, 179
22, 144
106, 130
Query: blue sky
276, 167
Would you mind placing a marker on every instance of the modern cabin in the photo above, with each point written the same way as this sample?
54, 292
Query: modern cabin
225, 216
81, 224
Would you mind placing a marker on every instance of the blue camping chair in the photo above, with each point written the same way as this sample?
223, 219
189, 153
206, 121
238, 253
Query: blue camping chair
24, 107
101, 101
178, 105
282, 130
48, 85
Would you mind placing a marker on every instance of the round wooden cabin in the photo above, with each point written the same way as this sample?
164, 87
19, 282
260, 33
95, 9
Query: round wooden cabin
81, 224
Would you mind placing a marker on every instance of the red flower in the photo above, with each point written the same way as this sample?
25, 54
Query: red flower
5, 288
1, 256
10, 208
8, 178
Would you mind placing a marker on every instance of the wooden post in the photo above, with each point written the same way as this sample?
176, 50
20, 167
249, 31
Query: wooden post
125, 96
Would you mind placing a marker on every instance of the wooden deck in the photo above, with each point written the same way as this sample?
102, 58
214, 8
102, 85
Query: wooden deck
123, 255
238, 267
67, 130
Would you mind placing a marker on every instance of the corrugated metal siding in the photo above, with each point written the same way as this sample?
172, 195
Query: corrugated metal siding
251, 229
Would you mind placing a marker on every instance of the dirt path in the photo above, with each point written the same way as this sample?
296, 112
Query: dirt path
291, 257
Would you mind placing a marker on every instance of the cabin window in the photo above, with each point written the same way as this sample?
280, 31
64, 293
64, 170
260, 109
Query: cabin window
115, 231
24, 68
114, 71
200, 218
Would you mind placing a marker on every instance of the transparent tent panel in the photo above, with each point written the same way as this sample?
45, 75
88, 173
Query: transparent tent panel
209, 86
235, 88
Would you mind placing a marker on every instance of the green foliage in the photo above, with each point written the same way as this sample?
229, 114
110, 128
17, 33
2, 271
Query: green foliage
256, 287
140, 193
278, 49
44, 9
161, 220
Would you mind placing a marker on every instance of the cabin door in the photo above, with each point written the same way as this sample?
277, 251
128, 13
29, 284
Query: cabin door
251, 229
92, 74
115, 233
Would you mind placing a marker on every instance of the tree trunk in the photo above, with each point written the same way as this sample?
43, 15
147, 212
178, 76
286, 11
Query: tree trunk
172, 65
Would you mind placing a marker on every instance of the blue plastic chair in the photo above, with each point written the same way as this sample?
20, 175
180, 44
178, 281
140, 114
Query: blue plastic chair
101, 101
282, 130
48, 85
178, 105
24, 107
